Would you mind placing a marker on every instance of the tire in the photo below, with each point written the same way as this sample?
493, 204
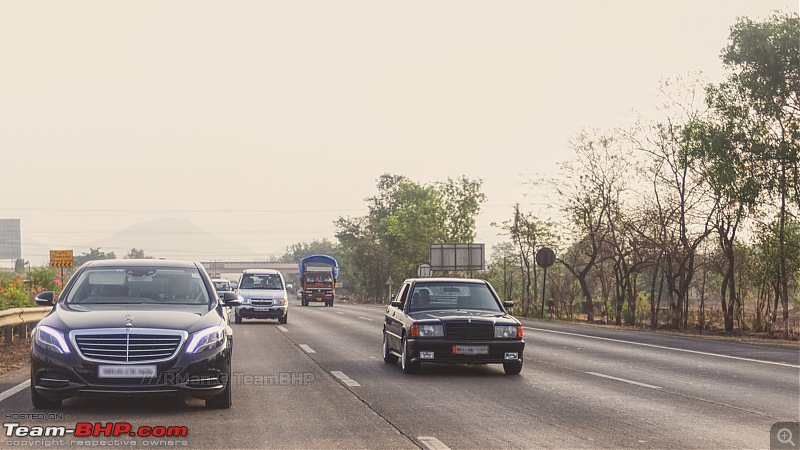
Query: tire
388, 357
40, 401
408, 366
283, 319
237, 318
225, 399
512, 368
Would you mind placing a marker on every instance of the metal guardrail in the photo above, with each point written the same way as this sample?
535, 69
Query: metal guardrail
20, 318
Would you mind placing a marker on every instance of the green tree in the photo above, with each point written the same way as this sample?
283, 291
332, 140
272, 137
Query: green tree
295, 252
136, 253
749, 146
93, 254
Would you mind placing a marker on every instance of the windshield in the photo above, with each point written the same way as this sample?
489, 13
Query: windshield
453, 295
139, 285
261, 281
222, 286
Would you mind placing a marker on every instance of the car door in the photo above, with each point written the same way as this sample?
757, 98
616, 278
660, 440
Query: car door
394, 317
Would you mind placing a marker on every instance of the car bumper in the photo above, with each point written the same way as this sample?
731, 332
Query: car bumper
250, 312
443, 351
59, 376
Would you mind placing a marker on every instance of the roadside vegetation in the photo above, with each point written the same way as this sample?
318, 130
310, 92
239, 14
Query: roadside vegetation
687, 221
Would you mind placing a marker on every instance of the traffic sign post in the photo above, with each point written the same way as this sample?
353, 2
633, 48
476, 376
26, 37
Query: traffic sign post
61, 259
545, 258
389, 283
424, 271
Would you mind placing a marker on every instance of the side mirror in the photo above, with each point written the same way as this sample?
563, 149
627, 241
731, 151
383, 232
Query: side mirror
508, 305
46, 298
231, 299
396, 304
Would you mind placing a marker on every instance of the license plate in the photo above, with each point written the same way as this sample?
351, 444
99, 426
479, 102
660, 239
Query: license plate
470, 349
138, 371
262, 308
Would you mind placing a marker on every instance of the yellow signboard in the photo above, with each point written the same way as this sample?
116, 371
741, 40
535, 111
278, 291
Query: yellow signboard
61, 259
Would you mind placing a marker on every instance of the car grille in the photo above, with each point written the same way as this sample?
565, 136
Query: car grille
260, 302
466, 330
128, 347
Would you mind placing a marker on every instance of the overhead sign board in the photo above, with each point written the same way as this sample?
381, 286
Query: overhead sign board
457, 257
61, 259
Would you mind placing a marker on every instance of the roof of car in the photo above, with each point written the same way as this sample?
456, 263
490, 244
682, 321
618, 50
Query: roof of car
264, 271
447, 280
141, 263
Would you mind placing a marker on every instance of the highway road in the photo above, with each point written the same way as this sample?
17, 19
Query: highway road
320, 382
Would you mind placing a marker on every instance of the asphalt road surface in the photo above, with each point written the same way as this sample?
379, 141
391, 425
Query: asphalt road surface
320, 382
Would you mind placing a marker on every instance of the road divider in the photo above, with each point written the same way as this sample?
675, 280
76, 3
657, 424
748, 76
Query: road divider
649, 386
431, 443
18, 388
344, 378
282, 328
307, 349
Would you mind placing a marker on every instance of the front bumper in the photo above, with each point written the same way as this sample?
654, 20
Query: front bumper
203, 375
264, 312
443, 351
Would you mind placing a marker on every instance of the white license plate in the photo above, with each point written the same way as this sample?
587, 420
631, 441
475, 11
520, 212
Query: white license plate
262, 308
470, 349
138, 371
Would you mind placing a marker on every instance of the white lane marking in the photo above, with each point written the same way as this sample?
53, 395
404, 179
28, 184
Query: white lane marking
339, 312
307, 349
18, 388
365, 318
667, 348
431, 443
624, 380
344, 378
282, 328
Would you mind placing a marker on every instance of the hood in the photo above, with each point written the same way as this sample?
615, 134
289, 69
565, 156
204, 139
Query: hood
261, 293
457, 314
78, 317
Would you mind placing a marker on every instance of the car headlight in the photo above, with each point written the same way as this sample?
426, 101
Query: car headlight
427, 330
245, 300
51, 339
279, 301
506, 331
205, 339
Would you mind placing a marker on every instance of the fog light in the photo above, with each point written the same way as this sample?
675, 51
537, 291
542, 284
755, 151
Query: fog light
512, 356
425, 355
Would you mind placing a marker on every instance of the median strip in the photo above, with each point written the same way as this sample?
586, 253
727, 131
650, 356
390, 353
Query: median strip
650, 386
431, 443
344, 378
307, 349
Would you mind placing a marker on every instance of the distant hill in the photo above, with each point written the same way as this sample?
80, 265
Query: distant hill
172, 238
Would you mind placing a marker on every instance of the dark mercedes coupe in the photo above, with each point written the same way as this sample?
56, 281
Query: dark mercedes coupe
134, 327
451, 320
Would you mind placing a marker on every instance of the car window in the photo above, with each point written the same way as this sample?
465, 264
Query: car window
453, 295
222, 286
139, 285
400, 296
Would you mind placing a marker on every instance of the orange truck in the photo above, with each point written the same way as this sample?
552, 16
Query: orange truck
318, 275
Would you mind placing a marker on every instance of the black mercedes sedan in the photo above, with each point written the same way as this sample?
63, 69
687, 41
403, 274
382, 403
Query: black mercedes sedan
450, 320
134, 327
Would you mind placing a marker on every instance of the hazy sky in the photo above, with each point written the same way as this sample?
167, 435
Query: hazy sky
264, 121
